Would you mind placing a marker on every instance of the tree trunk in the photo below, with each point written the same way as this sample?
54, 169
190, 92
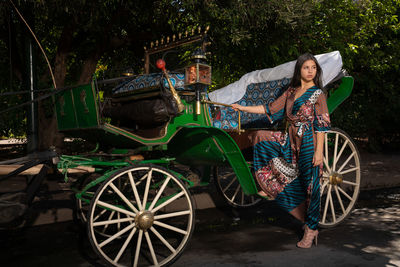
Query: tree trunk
48, 132
89, 67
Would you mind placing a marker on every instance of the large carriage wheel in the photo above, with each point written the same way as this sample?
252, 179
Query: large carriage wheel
340, 183
155, 222
228, 185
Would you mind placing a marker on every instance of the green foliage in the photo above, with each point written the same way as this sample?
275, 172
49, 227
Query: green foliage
367, 35
245, 35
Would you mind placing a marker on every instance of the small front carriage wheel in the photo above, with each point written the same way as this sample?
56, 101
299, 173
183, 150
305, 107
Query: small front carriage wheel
228, 185
83, 203
340, 182
155, 222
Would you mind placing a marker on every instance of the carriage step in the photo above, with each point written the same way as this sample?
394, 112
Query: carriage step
12, 207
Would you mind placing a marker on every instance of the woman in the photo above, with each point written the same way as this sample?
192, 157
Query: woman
300, 147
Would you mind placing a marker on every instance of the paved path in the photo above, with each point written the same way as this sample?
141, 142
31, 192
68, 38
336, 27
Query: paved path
263, 236
369, 237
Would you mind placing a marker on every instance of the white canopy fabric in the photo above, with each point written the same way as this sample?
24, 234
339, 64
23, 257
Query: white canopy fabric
331, 64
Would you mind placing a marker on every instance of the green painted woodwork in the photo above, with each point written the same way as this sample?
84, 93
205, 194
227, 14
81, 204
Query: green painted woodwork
340, 94
79, 111
77, 108
204, 145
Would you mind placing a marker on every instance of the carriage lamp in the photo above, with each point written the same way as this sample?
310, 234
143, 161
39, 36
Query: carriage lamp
128, 72
198, 76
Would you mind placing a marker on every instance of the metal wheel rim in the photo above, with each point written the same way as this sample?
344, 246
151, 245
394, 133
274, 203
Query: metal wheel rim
341, 161
230, 188
83, 207
132, 234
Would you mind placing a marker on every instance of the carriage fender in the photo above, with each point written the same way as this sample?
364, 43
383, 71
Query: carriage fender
206, 145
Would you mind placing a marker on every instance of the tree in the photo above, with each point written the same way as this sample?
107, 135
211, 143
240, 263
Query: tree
80, 36
76, 35
367, 35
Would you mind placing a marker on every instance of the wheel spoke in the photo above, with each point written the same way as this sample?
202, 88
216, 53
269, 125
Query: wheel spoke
119, 223
335, 151
242, 200
153, 255
109, 218
138, 245
135, 192
326, 165
350, 183
173, 214
127, 202
118, 234
141, 179
172, 228
98, 215
236, 192
350, 170
347, 160
129, 219
326, 158
344, 193
323, 186
165, 242
339, 199
159, 193
229, 185
121, 251
332, 208
115, 208
146, 191
168, 201
328, 196
342, 149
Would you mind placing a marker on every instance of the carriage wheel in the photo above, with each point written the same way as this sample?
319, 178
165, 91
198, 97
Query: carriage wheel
155, 222
228, 185
340, 182
82, 207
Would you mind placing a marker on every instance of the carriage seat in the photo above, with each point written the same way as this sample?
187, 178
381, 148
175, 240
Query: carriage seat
144, 105
256, 94
147, 85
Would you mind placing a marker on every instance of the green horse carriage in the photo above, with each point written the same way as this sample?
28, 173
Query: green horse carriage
160, 135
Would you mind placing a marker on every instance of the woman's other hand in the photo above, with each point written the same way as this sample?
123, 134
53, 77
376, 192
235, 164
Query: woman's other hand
318, 158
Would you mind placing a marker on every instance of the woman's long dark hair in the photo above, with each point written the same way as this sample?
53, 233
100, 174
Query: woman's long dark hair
296, 80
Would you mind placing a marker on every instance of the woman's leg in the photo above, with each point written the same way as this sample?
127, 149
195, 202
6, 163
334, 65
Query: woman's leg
313, 210
292, 199
299, 212
309, 180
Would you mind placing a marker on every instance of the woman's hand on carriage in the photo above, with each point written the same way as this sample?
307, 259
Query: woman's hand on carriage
251, 109
237, 107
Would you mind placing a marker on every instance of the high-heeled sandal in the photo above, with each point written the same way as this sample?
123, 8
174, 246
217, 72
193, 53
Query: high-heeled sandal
310, 237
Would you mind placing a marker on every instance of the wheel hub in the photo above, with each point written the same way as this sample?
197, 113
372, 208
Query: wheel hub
335, 178
144, 220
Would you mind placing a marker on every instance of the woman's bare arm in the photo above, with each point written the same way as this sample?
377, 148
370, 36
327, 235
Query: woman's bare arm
319, 149
251, 109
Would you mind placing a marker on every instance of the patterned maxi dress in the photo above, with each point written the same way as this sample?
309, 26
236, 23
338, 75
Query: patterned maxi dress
306, 115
